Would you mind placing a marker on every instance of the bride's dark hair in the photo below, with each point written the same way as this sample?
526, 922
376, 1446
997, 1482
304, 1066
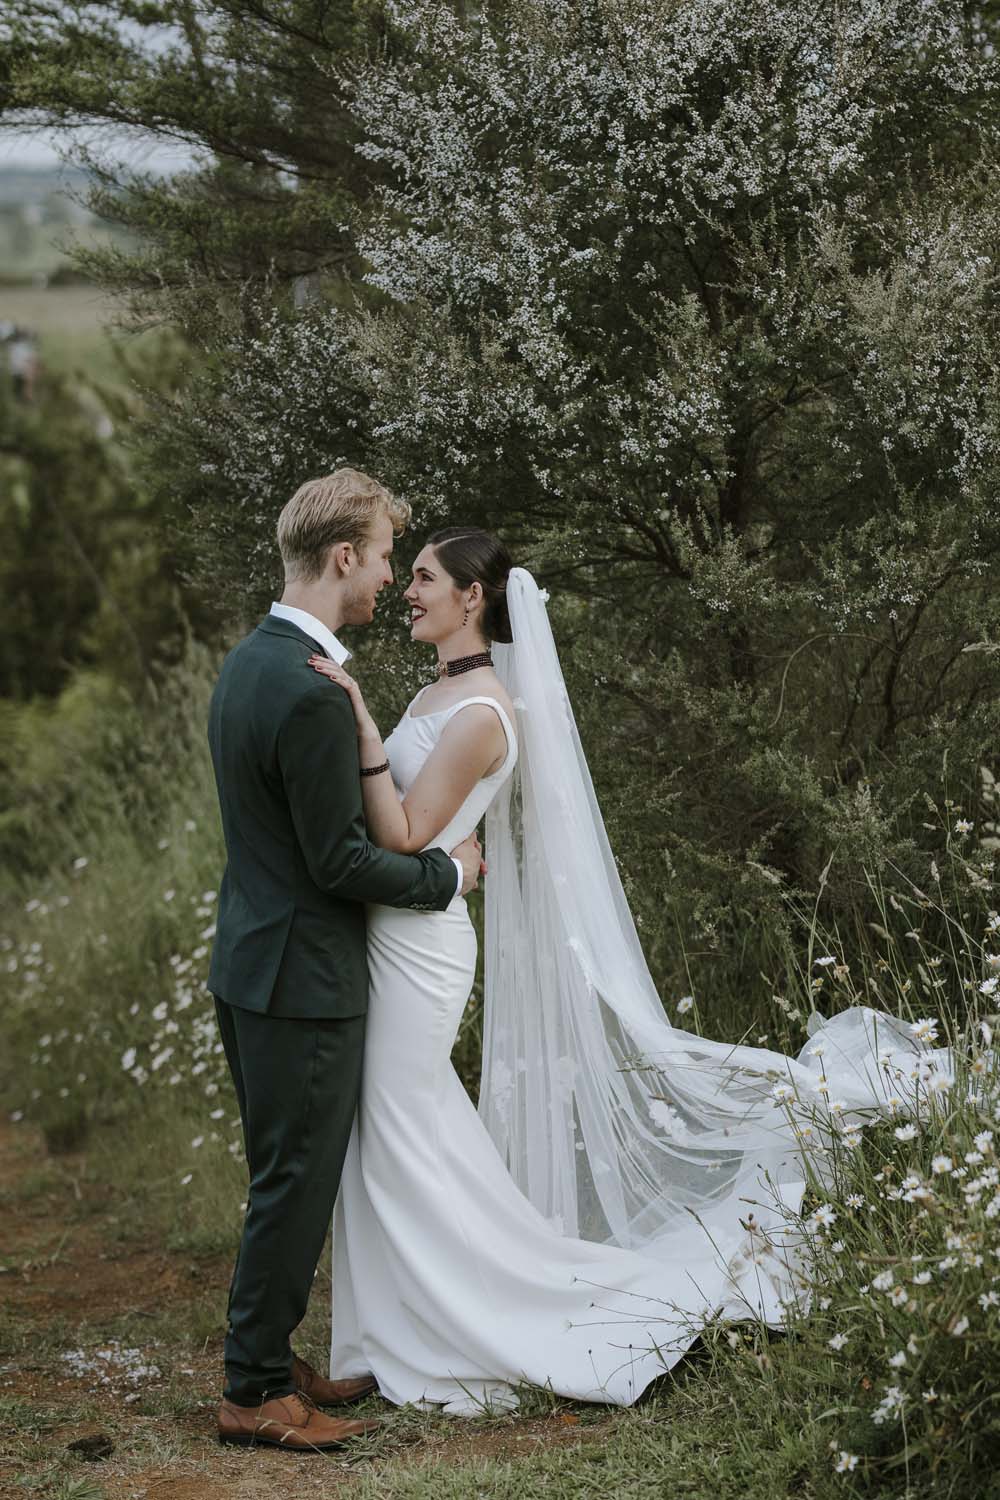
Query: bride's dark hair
470, 555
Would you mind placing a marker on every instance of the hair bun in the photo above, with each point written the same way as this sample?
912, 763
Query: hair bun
496, 616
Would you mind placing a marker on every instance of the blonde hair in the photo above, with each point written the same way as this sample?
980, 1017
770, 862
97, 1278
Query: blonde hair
339, 507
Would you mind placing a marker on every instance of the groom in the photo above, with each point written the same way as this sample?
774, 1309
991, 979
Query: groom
289, 967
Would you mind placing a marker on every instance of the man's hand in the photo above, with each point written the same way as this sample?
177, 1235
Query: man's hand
470, 856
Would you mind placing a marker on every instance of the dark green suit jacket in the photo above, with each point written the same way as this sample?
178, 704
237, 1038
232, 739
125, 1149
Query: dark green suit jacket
290, 936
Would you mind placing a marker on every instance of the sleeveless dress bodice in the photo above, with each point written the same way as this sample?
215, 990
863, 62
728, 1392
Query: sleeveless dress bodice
411, 743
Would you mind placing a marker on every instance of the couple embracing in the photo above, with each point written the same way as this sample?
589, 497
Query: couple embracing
623, 1181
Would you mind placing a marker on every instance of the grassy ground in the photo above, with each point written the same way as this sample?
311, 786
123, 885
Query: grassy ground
82, 1271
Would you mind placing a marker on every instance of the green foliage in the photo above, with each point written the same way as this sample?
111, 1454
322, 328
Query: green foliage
84, 579
703, 322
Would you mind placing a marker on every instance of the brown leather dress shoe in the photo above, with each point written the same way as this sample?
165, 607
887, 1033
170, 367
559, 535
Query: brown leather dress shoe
330, 1392
289, 1422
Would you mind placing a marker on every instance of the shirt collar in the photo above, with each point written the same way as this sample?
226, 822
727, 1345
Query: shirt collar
320, 633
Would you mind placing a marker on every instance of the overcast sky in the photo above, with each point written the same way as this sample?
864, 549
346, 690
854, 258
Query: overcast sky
42, 149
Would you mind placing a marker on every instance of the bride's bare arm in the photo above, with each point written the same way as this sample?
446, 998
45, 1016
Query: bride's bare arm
472, 745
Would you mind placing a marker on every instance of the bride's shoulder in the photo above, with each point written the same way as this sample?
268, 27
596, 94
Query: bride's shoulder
497, 690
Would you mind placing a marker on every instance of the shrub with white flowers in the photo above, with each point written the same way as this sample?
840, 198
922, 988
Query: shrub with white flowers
695, 303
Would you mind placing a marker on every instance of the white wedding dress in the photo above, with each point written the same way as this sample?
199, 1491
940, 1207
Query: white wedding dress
578, 1231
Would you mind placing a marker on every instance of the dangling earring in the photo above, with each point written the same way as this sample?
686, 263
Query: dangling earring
465, 617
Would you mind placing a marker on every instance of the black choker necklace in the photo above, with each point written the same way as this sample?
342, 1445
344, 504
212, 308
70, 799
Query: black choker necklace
464, 664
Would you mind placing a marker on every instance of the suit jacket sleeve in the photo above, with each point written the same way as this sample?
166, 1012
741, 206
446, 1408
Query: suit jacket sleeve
318, 758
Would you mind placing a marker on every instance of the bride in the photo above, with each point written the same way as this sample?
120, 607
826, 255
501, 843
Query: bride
623, 1181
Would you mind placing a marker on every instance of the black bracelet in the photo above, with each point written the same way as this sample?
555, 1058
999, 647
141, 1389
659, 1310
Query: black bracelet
375, 770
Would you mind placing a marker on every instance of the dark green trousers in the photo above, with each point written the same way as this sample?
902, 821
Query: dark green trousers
297, 1083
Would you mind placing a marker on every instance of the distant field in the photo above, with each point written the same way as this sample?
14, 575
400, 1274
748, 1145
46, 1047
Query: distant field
38, 234
71, 325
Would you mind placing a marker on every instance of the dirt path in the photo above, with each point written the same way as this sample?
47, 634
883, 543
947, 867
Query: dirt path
110, 1339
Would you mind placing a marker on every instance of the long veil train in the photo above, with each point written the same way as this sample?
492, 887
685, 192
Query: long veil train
619, 1127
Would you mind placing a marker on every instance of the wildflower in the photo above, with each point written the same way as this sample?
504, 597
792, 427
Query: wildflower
838, 1247
890, 1405
921, 1278
81, 863
169, 895
963, 826
822, 963
930, 1395
199, 1140
851, 1138
898, 1360
883, 1281
846, 1463
837, 1342
898, 1296
128, 1059
854, 1200
984, 1140
685, 1004
823, 1217
905, 1132
988, 986
957, 1329
186, 1178
940, 1165
989, 1299
925, 1030
782, 1092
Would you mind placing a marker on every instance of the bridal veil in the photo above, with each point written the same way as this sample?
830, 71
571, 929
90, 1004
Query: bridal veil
617, 1126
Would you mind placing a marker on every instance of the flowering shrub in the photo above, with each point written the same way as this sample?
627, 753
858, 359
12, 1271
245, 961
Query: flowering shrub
694, 303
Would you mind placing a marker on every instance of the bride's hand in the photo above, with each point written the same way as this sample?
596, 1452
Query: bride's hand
327, 668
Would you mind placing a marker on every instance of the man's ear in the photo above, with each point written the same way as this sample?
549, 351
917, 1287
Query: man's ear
341, 559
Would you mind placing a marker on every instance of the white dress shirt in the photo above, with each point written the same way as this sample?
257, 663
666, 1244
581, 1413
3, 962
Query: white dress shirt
320, 633
324, 636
